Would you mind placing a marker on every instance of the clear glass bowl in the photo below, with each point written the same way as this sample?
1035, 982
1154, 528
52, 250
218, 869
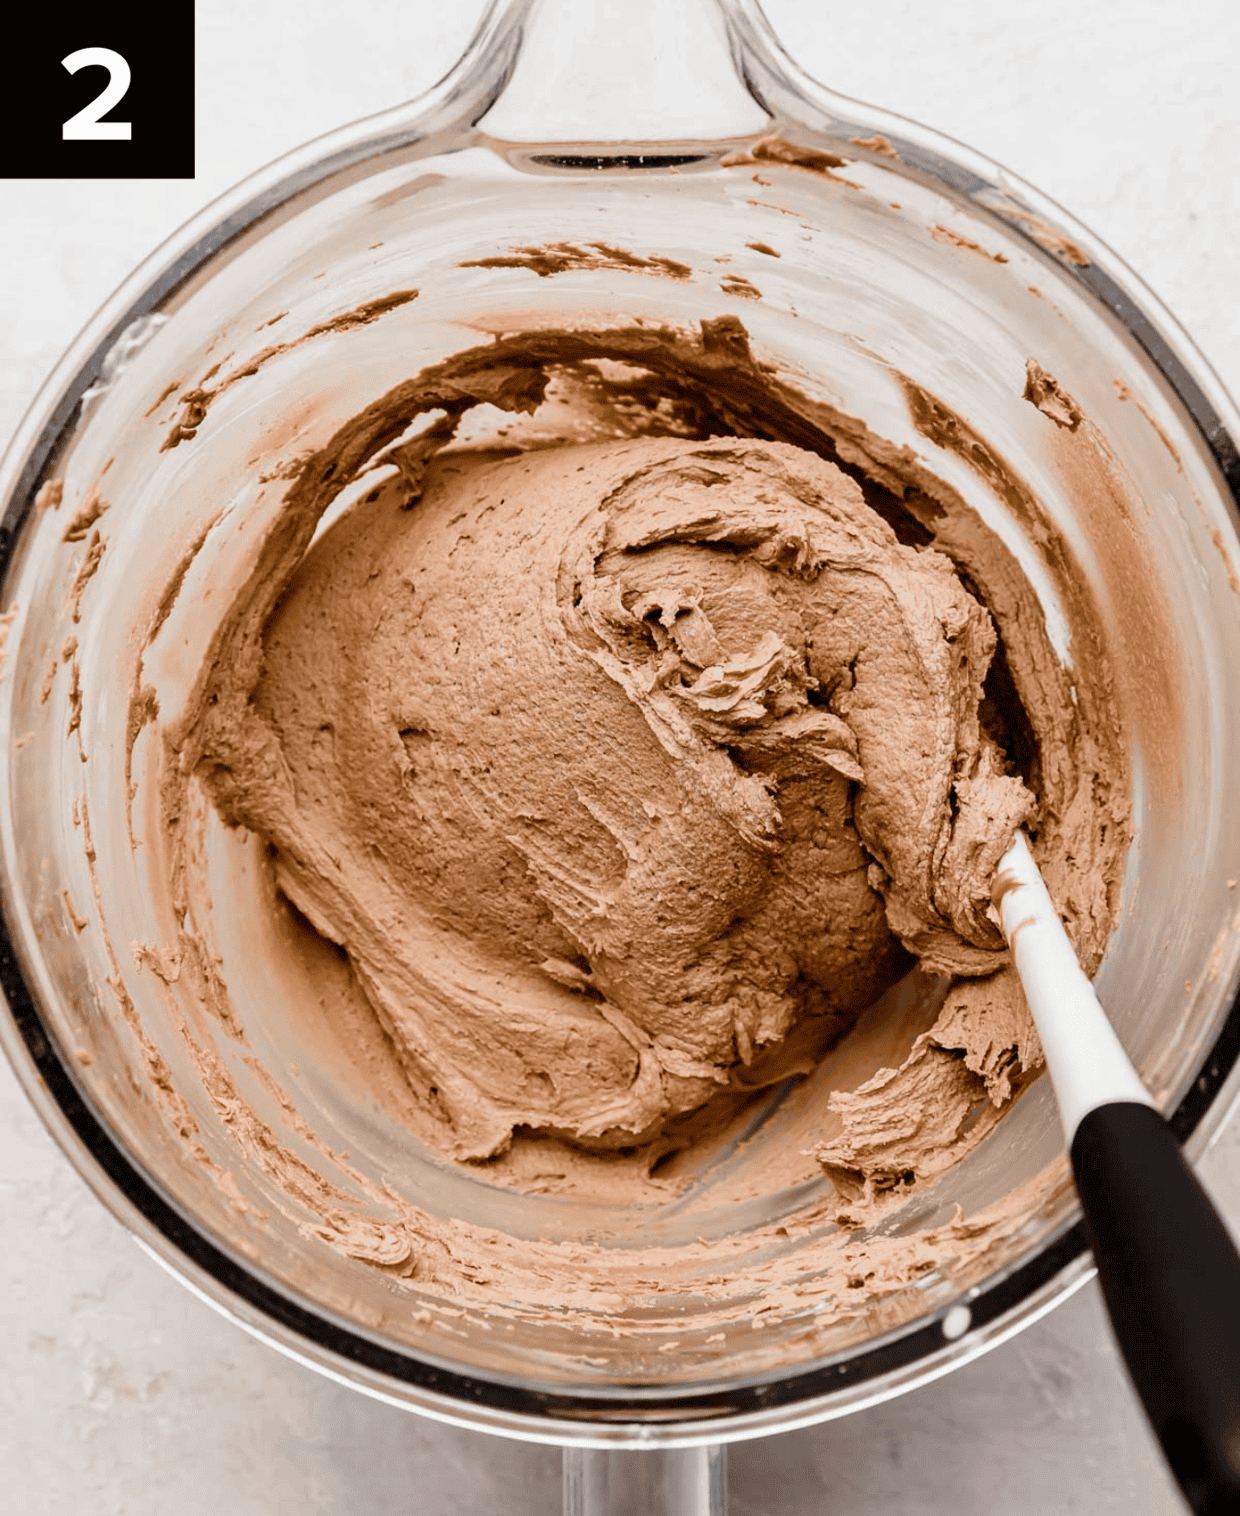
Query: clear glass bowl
910, 256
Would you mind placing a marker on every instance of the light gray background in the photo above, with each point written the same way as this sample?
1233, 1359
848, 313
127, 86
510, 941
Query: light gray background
119, 1392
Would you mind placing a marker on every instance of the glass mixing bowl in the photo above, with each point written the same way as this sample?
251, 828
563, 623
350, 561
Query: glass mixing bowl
862, 249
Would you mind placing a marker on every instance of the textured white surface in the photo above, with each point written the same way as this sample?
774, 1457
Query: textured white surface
119, 1392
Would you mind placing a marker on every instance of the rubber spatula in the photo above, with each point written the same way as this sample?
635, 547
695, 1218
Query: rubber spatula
1169, 1271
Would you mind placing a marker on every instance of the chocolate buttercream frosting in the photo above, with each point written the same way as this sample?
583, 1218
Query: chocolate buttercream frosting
631, 753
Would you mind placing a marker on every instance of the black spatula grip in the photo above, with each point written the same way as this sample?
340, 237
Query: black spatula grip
1170, 1276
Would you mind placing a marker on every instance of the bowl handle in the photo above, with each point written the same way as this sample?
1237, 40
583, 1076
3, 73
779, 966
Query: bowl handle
592, 71
660, 1481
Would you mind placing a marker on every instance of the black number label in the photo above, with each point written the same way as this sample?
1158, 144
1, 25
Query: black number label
86, 125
